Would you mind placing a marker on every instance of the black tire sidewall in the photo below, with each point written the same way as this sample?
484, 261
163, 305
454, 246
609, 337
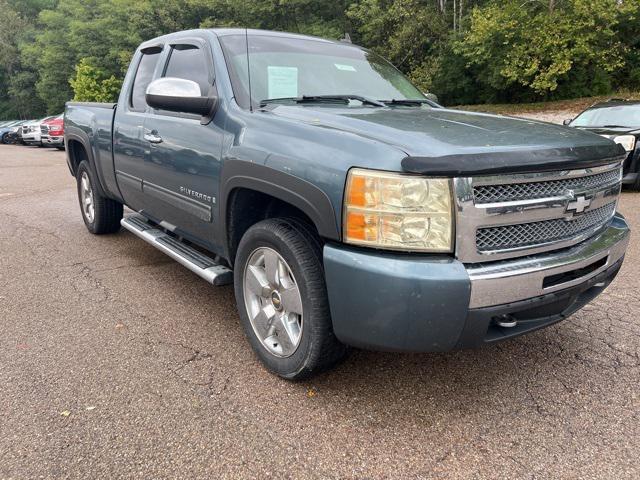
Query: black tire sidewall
265, 234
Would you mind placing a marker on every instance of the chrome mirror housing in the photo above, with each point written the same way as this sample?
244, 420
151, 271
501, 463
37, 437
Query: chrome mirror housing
178, 95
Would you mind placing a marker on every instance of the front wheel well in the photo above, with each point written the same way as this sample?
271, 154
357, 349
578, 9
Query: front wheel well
246, 207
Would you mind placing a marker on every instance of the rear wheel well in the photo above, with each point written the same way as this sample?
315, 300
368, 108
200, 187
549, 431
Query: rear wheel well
247, 207
77, 154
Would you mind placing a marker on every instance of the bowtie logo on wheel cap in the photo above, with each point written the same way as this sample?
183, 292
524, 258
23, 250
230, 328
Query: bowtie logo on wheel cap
579, 205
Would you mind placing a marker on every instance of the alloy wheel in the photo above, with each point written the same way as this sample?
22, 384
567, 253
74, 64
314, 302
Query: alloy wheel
273, 302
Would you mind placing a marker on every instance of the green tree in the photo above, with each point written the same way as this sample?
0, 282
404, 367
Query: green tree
541, 46
91, 84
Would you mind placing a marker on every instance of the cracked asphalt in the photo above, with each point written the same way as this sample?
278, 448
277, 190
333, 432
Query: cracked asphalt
116, 362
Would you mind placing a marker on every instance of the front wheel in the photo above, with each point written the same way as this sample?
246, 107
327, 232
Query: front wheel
5, 138
282, 299
100, 214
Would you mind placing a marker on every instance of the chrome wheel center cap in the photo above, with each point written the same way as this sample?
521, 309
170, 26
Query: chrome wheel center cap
276, 300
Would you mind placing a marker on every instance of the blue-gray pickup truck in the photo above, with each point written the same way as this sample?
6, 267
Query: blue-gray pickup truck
347, 208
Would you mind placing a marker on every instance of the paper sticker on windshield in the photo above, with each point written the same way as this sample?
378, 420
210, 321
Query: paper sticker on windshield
283, 82
345, 68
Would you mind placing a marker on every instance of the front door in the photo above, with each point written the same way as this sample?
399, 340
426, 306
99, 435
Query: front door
182, 166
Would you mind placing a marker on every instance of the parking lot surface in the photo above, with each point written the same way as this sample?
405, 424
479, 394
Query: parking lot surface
116, 362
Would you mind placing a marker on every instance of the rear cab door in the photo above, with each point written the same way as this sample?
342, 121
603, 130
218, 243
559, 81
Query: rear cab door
129, 147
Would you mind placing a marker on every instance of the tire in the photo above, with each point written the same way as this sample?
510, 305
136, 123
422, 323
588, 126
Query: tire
300, 264
5, 139
105, 214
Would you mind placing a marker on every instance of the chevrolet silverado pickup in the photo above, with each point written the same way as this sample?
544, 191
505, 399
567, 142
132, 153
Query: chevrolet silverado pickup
346, 208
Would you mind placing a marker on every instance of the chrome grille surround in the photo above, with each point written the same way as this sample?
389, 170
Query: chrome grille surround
521, 222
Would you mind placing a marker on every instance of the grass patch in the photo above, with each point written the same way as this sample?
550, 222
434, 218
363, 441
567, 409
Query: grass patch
574, 105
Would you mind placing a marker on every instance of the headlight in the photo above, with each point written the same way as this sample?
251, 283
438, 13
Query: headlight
627, 141
398, 212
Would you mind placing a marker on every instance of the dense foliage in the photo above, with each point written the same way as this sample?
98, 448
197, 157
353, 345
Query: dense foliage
465, 51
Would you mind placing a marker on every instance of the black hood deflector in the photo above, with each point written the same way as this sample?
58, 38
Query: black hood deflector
516, 161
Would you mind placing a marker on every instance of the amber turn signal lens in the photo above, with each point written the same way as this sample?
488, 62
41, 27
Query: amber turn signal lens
356, 192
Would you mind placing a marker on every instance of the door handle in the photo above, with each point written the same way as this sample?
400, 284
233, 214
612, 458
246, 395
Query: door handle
153, 137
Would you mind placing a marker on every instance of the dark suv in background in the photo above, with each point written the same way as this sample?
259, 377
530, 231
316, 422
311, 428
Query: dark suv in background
618, 120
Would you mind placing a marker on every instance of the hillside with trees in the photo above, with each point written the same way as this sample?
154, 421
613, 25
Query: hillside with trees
465, 51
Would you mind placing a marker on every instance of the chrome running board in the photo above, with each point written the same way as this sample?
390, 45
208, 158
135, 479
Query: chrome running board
184, 254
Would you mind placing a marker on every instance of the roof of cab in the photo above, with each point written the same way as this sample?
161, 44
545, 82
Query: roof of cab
222, 32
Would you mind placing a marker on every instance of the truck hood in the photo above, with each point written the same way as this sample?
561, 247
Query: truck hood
442, 141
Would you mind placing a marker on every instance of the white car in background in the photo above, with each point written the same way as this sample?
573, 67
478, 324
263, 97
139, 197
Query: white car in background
31, 133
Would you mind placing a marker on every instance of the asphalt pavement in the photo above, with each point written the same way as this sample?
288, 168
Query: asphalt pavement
117, 362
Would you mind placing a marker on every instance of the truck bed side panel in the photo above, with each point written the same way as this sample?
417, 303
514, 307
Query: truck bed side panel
92, 125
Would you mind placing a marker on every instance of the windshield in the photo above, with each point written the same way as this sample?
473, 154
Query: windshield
286, 67
618, 115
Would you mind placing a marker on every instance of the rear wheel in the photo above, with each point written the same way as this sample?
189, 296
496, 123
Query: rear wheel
5, 138
282, 299
100, 214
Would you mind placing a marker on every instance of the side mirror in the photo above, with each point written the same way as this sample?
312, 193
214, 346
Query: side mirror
178, 95
431, 96
567, 121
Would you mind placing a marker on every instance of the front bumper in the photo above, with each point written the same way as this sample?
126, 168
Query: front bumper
402, 302
55, 141
31, 138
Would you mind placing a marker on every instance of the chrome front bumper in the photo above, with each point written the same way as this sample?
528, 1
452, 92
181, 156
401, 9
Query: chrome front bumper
510, 281
47, 140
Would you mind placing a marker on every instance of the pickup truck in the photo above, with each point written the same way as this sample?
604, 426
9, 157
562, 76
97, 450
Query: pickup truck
347, 209
52, 132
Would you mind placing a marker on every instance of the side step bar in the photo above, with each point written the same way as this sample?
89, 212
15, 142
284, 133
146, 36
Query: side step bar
191, 258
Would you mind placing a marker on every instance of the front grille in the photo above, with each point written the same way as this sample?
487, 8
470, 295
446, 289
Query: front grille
537, 233
44, 129
552, 188
512, 215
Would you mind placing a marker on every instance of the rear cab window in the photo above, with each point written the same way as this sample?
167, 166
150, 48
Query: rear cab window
144, 75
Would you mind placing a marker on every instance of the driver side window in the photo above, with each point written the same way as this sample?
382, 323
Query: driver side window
190, 63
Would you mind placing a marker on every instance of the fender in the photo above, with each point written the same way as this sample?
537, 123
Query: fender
290, 189
72, 133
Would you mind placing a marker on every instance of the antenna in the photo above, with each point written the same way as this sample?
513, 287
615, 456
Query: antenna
246, 35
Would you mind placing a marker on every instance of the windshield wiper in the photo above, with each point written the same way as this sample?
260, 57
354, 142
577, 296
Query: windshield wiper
325, 98
411, 102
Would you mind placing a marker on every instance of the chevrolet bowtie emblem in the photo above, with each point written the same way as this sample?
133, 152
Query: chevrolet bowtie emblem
579, 205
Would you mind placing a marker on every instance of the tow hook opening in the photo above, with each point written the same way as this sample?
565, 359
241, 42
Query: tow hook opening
505, 321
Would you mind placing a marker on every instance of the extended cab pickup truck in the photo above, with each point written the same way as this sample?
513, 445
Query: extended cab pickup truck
346, 208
